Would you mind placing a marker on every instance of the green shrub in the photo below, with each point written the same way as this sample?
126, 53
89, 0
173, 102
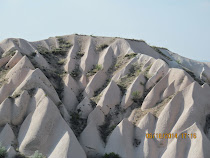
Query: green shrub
129, 56
178, 61
111, 155
157, 49
106, 128
61, 62
141, 83
3, 151
146, 72
98, 67
75, 73
94, 70
102, 47
31, 91
16, 95
136, 96
63, 43
78, 124
79, 54
59, 51
33, 54
132, 70
37, 155
9, 53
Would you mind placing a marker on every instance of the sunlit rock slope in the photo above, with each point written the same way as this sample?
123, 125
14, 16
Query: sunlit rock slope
83, 96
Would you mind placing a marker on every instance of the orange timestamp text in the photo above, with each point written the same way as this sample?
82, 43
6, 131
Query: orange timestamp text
170, 135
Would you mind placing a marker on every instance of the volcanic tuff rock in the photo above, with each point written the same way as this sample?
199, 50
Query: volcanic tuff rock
83, 96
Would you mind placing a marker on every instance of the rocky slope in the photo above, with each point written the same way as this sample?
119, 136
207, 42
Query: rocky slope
82, 96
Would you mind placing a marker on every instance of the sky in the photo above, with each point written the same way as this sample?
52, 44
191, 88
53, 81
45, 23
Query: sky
182, 26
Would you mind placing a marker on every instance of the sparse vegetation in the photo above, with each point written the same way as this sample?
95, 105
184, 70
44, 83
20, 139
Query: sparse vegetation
156, 110
78, 124
61, 62
126, 80
102, 47
96, 98
193, 76
56, 58
76, 72
119, 110
136, 142
106, 128
131, 70
93, 104
3, 151
3, 73
33, 54
111, 155
63, 43
123, 86
58, 51
56, 79
207, 125
94, 70
98, 67
178, 61
141, 83
131, 55
79, 54
181, 80
37, 154
16, 94
121, 61
146, 72
9, 53
136, 95
96, 93
80, 96
157, 49
136, 40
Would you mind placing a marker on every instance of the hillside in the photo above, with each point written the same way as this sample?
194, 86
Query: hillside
80, 96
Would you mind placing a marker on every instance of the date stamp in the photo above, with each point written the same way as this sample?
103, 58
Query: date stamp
170, 135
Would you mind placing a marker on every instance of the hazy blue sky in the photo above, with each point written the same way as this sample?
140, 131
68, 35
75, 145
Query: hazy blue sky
183, 26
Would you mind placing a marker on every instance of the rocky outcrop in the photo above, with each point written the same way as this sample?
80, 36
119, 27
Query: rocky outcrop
80, 96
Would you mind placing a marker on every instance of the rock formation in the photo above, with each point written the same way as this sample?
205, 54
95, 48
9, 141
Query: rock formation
83, 96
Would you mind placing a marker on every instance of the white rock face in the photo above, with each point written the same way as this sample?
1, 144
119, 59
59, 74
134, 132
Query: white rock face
69, 99
147, 147
95, 83
89, 58
111, 97
125, 70
85, 107
106, 59
175, 80
91, 141
187, 147
4, 60
121, 140
14, 60
19, 108
48, 132
49, 103
15, 77
5, 111
7, 136
136, 87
